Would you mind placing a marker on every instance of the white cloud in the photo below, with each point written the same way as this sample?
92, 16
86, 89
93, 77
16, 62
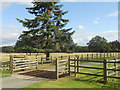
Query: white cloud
80, 27
6, 3
82, 38
97, 18
96, 22
10, 34
113, 14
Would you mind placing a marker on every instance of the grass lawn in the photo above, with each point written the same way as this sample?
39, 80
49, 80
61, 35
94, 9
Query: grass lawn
73, 82
81, 81
5, 73
67, 82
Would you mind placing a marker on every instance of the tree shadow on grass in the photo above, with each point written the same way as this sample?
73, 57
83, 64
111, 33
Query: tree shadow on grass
89, 78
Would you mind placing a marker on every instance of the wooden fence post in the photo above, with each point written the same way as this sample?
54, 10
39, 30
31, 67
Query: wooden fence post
110, 54
11, 64
97, 56
36, 62
69, 65
107, 55
51, 60
115, 67
105, 71
87, 57
57, 74
92, 56
115, 54
75, 66
117, 64
118, 54
61, 57
104, 55
100, 55
78, 64
82, 57
41, 60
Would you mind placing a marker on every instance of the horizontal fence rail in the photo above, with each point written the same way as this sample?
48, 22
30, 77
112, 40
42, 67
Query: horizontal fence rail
76, 65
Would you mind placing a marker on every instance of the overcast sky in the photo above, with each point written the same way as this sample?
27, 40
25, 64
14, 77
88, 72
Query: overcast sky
87, 19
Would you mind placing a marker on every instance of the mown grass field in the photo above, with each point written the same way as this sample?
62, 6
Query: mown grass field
5, 56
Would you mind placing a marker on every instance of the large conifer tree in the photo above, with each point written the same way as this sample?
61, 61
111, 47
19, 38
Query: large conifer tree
47, 29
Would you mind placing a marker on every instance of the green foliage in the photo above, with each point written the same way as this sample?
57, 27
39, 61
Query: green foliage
115, 45
46, 31
98, 44
7, 49
5, 73
81, 49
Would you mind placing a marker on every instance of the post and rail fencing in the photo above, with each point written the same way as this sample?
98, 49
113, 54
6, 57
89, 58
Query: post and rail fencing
75, 63
63, 65
42, 60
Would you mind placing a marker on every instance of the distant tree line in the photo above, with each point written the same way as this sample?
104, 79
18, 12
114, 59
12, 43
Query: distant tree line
96, 44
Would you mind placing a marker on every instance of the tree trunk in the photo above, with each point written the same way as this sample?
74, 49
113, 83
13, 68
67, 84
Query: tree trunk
47, 56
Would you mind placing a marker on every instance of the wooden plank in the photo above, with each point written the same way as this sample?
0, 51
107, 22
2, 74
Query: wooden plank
21, 66
32, 62
32, 59
105, 71
60, 63
69, 65
57, 75
114, 73
113, 62
87, 60
62, 67
87, 67
63, 60
36, 62
20, 69
11, 64
75, 67
21, 61
113, 77
77, 64
19, 56
18, 63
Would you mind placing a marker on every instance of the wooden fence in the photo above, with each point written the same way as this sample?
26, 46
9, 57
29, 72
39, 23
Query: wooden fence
75, 63
92, 56
18, 62
42, 60
61, 67
22, 62
63, 63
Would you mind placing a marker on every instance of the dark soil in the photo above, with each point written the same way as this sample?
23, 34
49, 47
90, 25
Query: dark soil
43, 74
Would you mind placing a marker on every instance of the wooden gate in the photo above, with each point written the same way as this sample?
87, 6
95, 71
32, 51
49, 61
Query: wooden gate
21, 62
